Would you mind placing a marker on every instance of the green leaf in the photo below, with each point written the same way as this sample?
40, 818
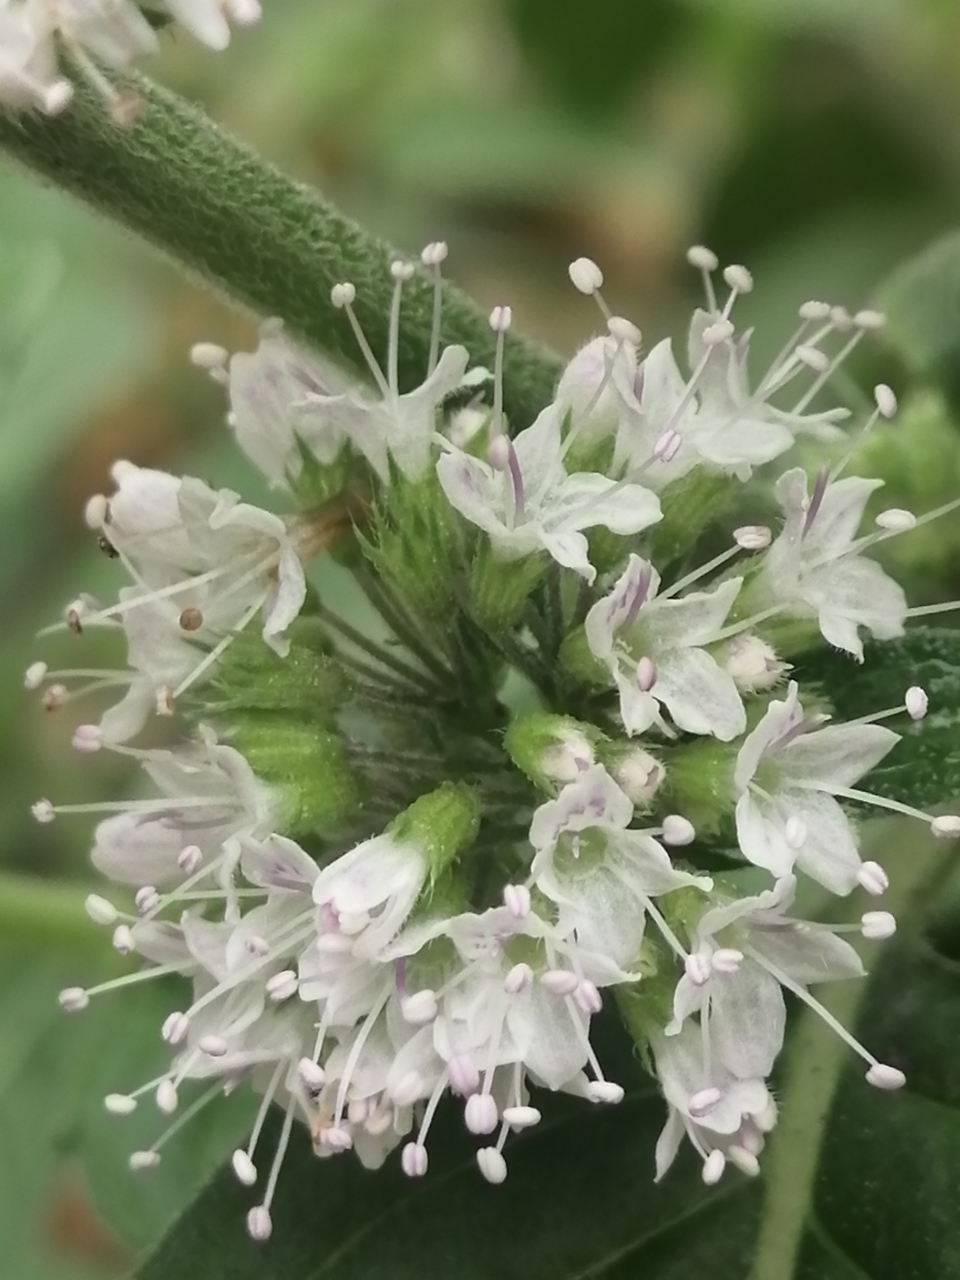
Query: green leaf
922, 302
273, 244
924, 768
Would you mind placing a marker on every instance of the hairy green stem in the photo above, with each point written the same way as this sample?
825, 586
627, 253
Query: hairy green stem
226, 216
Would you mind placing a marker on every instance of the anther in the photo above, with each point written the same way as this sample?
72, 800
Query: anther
243, 1167
587, 997
753, 537
259, 1223
516, 898
518, 979
878, 925
492, 1165
189, 859
678, 830
213, 1046
698, 968
35, 675
727, 959
738, 278
100, 910
139, 1160
123, 940
191, 619
282, 985
744, 1160
896, 519
146, 899
175, 1027
96, 512
667, 445
73, 999
209, 355
312, 1074
501, 319
646, 674
813, 358
624, 330
882, 1076
702, 258
814, 310
916, 702
873, 878
719, 331
414, 1160
521, 1117
434, 253
87, 738
869, 319
120, 1104
885, 400
401, 270
607, 1091
713, 1167
167, 1097
946, 826
559, 982
43, 811
343, 295
480, 1113
703, 1102
585, 276
54, 697
419, 1008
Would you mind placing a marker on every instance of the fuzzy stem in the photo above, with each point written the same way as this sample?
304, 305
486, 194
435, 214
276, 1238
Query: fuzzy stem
229, 218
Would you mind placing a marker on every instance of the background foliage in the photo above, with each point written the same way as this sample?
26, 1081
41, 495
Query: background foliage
815, 140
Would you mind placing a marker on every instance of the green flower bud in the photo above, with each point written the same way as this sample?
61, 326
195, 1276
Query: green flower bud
551, 750
416, 547
441, 823
309, 683
636, 771
308, 767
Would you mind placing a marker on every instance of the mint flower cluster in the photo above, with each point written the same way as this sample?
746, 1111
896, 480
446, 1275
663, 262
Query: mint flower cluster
41, 40
561, 757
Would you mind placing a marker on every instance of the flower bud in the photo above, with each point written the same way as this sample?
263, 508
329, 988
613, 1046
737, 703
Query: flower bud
551, 750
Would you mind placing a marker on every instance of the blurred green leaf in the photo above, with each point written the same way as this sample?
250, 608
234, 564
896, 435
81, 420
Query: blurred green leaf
922, 302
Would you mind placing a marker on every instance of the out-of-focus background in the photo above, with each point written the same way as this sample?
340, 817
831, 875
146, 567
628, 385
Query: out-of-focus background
814, 140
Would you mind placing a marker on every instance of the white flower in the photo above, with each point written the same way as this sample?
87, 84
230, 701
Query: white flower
724, 1117
268, 389
378, 882
209, 798
587, 389
394, 426
601, 874
209, 20
728, 981
814, 566
788, 771
217, 557
525, 500
655, 652
29, 75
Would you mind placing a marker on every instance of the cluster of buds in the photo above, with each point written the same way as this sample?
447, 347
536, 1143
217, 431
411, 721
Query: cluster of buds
411, 859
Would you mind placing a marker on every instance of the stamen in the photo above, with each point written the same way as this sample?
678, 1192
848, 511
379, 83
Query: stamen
706, 262
343, 297
501, 319
401, 272
434, 255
